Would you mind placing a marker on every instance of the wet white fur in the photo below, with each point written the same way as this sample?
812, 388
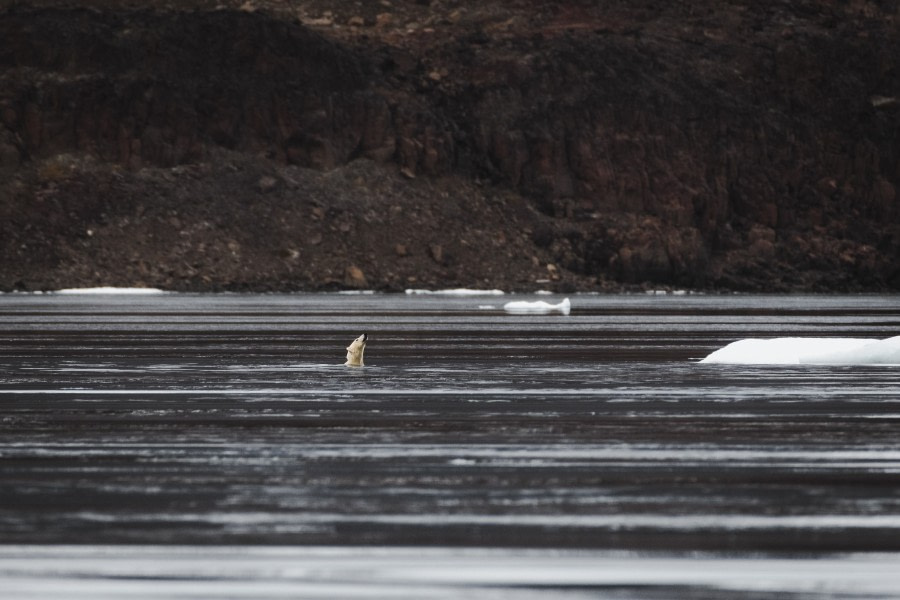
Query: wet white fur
355, 352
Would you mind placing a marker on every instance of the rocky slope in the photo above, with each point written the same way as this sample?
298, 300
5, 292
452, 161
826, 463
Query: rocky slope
522, 145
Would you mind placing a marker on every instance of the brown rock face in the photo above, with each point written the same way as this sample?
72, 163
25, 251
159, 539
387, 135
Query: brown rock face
745, 145
147, 88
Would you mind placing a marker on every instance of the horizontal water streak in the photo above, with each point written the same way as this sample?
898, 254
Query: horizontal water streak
306, 572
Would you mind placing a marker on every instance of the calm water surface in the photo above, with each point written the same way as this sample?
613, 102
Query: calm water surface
212, 443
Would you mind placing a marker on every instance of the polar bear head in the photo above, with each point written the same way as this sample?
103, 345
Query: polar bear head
355, 351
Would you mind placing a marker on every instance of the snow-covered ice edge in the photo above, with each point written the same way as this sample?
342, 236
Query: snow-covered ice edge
811, 350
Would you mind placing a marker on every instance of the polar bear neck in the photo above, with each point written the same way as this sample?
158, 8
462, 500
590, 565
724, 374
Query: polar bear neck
355, 357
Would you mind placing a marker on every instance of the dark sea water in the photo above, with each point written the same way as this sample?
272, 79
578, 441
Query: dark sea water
215, 446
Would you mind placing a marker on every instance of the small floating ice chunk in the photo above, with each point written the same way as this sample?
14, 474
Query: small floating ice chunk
539, 307
822, 351
454, 292
110, 290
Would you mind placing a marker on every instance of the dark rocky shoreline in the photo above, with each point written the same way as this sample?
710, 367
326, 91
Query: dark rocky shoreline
527, 145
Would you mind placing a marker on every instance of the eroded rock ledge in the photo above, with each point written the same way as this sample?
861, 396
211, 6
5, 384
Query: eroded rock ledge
563, 145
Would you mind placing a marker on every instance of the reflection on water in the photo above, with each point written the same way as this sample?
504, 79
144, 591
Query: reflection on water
563, 440
429, 573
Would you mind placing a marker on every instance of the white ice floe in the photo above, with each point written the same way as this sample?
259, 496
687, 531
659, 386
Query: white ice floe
454, 292
821, 351
110, 290
538, 307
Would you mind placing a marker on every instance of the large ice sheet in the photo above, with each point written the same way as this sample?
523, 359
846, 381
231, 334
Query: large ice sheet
796, 350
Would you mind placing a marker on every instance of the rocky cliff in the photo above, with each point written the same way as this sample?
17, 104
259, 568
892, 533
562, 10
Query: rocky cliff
567, 145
